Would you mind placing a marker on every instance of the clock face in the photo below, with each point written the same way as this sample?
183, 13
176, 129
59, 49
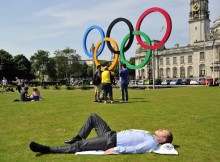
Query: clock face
195, 7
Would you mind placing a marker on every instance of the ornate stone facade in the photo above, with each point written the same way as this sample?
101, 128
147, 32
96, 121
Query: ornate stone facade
194, 60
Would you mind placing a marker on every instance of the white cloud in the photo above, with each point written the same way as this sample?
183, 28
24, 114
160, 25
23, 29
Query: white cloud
56, 24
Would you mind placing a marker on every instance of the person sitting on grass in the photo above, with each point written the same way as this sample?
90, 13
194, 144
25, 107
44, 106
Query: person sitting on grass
35, 95
124, 142
24, 95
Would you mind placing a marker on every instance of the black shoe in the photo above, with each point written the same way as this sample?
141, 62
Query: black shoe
73, 140
35, 147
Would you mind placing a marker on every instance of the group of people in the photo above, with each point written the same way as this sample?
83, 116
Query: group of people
34, 96
111, 142
24, 96
105, 84
131, 141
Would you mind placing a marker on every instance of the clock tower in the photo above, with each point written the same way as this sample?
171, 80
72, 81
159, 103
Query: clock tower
199, 22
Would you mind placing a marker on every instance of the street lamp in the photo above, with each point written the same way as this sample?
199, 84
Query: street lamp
92, 52
213, 36
42, 69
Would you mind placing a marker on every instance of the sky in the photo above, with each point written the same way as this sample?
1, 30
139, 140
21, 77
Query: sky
27, 26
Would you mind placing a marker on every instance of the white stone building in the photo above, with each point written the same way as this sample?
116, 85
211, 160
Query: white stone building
194, 60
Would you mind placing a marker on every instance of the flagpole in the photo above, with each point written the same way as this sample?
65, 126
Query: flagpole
205, 64
213, 72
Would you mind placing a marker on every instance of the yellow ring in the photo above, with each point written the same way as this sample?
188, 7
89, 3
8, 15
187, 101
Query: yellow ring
116, 56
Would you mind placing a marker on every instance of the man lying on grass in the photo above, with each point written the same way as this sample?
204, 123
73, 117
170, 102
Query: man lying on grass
128, 141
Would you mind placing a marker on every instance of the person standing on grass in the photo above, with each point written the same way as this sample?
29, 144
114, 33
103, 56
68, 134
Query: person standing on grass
4, 84
124, 73
124, 142
106, 84
18, 83
26, 83
97, 84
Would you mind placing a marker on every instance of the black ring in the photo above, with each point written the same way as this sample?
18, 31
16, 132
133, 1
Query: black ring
131, 28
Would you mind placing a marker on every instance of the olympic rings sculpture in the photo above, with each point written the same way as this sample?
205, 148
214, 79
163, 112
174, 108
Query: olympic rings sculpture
128, 38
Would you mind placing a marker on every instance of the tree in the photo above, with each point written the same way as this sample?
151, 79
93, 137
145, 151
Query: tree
90, 71
84, 70
23, 67
7, 66
76, 69
51, 69
65, 59
40, 62
132, 72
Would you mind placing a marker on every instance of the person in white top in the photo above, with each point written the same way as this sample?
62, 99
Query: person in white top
4, 84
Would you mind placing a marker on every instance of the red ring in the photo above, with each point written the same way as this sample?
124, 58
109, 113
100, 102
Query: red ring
168, 30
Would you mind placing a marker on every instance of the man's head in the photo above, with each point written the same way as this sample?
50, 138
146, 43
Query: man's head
163, 136
106, 68
124, 66
99, 67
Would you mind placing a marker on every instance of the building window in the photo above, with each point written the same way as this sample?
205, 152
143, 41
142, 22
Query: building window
161, 73
181, 59
161, 61
167, 61
175, 72
174, 60
182, 72
189, 59
202, 56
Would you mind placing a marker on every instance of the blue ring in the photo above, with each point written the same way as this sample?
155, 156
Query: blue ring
90, 55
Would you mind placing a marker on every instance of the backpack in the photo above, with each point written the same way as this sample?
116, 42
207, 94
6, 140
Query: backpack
96, 79
112, 78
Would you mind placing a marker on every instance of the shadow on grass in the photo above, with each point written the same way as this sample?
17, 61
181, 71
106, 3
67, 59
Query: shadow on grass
119, 101
176, 146
40, 154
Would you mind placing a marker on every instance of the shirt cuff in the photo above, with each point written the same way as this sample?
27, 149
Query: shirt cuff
116, 149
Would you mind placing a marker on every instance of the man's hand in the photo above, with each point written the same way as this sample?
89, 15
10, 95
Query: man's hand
109, 151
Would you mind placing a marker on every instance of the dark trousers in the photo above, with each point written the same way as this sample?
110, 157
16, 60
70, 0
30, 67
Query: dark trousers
18, 88
106, 138
124, 91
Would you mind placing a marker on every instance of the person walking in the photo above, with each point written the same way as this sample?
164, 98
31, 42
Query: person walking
18, 83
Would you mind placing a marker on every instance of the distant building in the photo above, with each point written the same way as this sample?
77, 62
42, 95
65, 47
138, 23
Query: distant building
194, 60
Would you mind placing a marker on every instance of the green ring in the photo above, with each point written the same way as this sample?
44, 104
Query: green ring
148, 53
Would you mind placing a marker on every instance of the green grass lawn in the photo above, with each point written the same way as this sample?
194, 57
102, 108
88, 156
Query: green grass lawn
191, 113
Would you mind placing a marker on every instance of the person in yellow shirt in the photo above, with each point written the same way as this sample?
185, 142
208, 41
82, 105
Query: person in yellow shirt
106, 84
